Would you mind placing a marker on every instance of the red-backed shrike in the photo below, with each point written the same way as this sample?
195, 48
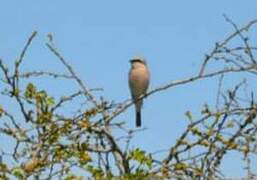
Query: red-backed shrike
138, 83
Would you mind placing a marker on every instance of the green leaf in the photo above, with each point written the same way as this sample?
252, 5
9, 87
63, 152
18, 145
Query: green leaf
73, 177
16, 92
42, 95
96, 172
189, 115
1, 111
50, 101
180, 166
30, 91
141, 157
230, 124
18, 172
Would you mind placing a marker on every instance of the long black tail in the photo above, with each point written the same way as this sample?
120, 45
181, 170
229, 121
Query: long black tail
138, 119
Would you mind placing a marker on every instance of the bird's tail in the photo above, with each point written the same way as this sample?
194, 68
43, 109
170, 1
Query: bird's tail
138, 118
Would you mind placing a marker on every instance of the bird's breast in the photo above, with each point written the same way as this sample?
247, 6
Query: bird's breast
139, 80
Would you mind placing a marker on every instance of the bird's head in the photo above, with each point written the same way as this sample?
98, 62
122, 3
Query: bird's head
138, 60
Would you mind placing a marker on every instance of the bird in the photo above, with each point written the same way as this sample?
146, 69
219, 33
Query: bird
139, 77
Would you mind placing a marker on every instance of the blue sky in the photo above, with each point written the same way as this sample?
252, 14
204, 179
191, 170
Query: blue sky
99, 37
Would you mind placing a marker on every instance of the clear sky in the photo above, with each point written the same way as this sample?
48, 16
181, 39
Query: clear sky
99, 37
